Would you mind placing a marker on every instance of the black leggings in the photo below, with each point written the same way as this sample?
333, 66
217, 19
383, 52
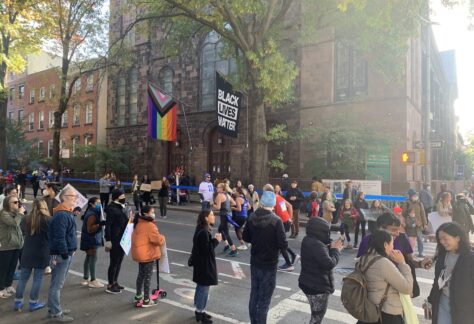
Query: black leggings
387, 319
116, 258
8, 262
163, 208
344, 229
356, 231
241, 222
284, 253
224, 229
145, 270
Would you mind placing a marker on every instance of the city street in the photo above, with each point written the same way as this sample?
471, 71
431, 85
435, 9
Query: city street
228, 301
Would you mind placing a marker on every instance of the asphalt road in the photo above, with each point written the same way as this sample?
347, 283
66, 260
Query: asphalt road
229, 299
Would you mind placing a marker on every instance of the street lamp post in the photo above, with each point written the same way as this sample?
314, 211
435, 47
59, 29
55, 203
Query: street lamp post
427, 107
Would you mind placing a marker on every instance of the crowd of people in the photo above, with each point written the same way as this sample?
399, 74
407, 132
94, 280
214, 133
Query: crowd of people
46, 237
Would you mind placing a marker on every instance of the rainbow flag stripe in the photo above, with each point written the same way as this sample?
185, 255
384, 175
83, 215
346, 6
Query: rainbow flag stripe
162, 115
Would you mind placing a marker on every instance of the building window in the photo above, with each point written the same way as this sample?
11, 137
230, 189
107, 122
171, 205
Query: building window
21, 116
11, 94
52, 91
42, 94
31, 121
90, 83
75, 142
50, 148
350, 74
77, 86
21, 91
64, 119
32, 96
166, 80
62, 144
87, 140
133, 99
10, 115
40, 120
51, 119
212, 61
89, 113
76, 120
40, 148
120, 106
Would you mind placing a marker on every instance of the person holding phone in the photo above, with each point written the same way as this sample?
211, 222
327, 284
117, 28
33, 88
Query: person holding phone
319, 256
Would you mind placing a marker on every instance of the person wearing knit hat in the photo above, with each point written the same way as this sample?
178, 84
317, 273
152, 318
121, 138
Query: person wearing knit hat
264, 230
116, 193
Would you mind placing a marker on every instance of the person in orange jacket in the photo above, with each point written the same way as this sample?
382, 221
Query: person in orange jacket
146, 243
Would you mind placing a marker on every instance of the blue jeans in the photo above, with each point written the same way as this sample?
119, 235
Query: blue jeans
444, 310
201, 295
262, 287
35, 287
419, 241
58, 277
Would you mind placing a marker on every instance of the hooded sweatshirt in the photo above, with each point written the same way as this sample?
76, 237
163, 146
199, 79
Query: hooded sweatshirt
62, 232
264, 230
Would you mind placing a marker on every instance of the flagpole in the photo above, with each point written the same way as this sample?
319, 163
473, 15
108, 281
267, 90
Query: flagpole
182, 107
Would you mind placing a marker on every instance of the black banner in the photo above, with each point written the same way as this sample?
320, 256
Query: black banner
228, 103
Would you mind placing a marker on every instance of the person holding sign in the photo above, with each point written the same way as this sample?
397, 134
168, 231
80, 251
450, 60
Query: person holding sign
146, 243
115, 225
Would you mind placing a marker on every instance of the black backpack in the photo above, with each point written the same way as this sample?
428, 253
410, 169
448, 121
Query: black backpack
354, 295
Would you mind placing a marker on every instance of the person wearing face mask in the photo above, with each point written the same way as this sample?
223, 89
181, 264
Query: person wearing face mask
146, 249
413, 204
91, 240
462, 211
116, 223
49, 195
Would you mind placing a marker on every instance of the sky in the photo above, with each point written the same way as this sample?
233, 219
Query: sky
451, 32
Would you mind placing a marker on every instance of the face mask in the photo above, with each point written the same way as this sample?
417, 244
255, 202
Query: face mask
122, 200
415, 198
152, 215
98, 207
45, 193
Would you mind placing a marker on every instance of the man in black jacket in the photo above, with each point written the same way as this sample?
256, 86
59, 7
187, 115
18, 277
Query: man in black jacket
295, 197
116, 222
264, 230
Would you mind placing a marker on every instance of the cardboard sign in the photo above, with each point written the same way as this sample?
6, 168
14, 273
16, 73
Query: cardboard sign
126, 241
145, 187
156, 185
81, 201
436, 220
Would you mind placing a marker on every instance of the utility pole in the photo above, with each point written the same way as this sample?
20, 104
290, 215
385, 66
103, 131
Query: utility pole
427, 107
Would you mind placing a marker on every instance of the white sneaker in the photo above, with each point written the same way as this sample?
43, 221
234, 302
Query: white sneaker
10, 290
242, 247
95, 284
47, 270
4, 294
85, 283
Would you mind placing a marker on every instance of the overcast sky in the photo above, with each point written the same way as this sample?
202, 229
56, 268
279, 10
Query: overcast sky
452, 33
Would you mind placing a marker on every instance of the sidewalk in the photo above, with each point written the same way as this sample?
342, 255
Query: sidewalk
94, 306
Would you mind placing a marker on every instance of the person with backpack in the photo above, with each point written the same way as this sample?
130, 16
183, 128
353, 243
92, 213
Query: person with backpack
203, 261
387, 276
146, 249
451, 298
319, 256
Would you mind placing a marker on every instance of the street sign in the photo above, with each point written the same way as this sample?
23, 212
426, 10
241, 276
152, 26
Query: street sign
436, 144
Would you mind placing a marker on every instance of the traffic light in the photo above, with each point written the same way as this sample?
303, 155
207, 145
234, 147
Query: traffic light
408, 157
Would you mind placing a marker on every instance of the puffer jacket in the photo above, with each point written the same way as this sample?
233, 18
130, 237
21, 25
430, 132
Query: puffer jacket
11, 237
146, 241
62, 232
384, 272
317, 259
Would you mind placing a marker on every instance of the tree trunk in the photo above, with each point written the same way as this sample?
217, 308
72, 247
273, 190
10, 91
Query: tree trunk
258, 144
3, 117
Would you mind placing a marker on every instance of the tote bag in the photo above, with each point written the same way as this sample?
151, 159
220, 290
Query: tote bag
409, 314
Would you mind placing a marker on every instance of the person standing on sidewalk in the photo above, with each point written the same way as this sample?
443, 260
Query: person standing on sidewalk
295, 197
35, 183
319, 256
104, 189
252, 198
62, 246
265, 232
206, 192
116, 222
91, 240
11, 242
136, 193
163, 196
146, 249
49, 195
35, 254
426, 198
421, 223
360, 204
21, 181
203, 261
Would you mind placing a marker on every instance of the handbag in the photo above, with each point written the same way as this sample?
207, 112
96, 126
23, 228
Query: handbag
409, 314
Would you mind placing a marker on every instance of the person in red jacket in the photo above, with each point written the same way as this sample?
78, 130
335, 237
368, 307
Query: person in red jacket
348, 216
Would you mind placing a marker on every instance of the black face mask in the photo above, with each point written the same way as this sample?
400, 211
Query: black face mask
122, 201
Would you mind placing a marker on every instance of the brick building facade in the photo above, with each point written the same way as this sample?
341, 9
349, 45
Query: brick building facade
333, 83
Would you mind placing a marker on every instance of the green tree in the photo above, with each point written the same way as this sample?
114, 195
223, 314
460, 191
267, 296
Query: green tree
100, 158
22, 27
19, 151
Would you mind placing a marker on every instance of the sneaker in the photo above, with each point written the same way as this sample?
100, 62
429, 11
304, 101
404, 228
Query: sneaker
295, 258
355, 246
47, 270
242, 247
233, 253
349, 246
119, 287
85, 282
286, 267
18, 306
4, 294
95, 284
150, 303
36, 306
137, 298
164, 217
62, 319
113, 289
10, 290
226, 248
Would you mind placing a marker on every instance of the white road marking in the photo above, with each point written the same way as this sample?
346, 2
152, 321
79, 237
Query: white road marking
178, 264
238, 272
283, 288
